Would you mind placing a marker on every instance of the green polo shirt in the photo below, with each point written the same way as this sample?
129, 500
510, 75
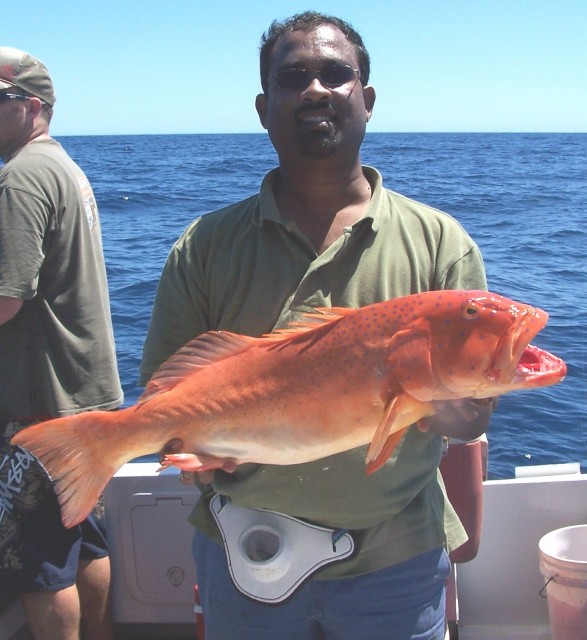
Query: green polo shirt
247, 269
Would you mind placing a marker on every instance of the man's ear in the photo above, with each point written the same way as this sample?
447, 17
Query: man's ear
261, 106
35, 106
369, 99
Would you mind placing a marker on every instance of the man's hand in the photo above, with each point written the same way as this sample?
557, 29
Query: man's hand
463, 419
175, 446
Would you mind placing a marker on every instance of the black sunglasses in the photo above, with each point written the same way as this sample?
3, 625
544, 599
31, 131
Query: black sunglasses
4, 97
331, 76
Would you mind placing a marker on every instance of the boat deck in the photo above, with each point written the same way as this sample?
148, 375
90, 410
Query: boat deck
498, 593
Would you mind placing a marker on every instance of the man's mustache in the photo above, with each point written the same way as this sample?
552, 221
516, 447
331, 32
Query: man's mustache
327, 109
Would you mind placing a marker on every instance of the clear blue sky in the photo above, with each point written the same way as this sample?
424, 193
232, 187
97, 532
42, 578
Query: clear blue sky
191, 66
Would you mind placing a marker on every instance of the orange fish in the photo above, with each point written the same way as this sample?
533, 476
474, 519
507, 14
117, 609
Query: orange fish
339, 379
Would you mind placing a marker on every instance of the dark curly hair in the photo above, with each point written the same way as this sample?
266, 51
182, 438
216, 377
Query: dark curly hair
308, 21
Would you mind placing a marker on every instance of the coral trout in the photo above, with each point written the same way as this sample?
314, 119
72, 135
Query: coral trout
340, 379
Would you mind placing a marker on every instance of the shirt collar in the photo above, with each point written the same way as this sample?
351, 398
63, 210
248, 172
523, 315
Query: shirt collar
268, 209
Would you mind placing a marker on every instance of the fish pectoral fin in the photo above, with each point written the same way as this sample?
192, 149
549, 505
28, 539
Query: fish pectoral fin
198, 462
401, 411
388, 448
385, 429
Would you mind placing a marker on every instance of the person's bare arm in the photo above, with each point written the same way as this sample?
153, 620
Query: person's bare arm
9, 307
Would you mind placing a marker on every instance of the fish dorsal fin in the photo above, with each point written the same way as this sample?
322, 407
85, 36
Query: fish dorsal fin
215, 346
197, 354
321, 316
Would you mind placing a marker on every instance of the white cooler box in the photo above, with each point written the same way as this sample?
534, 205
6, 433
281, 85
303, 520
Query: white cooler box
150, 539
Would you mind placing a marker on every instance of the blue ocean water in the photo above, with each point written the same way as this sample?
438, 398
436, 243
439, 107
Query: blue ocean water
522, 197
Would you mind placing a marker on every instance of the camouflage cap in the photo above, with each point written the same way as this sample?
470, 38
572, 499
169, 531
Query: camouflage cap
18, 69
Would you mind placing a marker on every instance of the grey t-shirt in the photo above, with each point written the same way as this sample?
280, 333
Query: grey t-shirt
57, 353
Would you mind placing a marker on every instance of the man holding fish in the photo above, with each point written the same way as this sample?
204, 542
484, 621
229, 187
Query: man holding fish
322, 232
340, 330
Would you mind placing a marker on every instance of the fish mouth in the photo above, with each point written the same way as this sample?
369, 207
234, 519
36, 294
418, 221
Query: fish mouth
537, 363
519, 364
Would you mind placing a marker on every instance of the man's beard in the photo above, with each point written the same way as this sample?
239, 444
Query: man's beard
317, 144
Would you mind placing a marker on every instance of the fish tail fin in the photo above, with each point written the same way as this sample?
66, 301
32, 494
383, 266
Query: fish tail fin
79, 470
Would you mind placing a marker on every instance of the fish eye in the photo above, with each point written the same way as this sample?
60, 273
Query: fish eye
470, 310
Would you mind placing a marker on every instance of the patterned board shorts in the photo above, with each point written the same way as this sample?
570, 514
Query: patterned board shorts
37, 553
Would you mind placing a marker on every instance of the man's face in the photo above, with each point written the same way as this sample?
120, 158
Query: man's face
13, 119
320, 119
